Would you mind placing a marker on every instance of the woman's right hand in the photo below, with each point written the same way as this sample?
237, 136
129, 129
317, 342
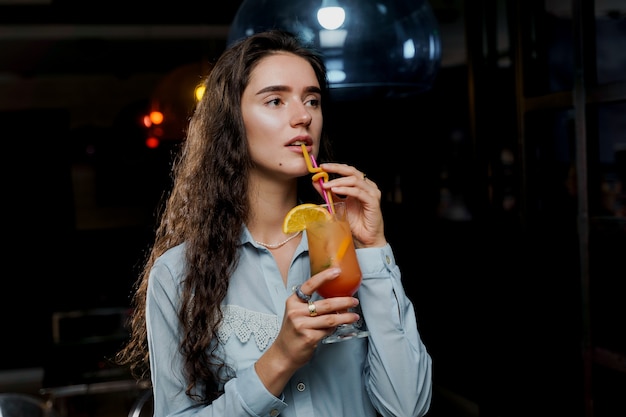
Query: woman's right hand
303, 327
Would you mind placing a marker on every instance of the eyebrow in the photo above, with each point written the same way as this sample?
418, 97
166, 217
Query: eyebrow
271, 88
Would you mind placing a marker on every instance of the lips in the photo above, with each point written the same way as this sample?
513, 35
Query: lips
300, 142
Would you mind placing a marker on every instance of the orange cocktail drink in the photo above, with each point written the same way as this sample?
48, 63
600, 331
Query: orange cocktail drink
330, 244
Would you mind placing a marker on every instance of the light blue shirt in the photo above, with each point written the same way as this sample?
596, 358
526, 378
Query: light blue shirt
389, 371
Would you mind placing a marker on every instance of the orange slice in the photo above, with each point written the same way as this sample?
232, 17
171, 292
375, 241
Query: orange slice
299, 216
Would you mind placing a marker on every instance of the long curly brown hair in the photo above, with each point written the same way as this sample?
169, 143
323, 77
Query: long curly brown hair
207, 207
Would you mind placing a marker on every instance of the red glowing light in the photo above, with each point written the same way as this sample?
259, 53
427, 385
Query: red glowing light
152, 142
156, 117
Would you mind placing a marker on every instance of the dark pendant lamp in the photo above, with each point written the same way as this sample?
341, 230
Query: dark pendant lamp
372, 48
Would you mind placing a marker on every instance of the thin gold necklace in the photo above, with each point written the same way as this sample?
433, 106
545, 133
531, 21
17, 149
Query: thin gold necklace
278, 245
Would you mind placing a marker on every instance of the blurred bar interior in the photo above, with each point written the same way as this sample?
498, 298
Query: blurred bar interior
510, 169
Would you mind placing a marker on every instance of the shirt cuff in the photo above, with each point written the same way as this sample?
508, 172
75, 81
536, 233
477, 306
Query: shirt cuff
255, 397
373, 261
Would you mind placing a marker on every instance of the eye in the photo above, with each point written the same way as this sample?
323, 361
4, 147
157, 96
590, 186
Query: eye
274, 102
313, 102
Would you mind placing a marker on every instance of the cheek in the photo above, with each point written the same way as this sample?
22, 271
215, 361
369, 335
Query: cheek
261, 127
263, 154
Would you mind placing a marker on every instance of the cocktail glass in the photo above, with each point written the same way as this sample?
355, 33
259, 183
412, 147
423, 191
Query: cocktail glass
331, 244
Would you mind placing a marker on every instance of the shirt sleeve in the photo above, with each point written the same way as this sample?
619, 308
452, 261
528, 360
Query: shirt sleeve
244, 395
398, 369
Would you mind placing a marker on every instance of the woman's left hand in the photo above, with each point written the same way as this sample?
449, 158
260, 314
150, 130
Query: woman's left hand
362, 198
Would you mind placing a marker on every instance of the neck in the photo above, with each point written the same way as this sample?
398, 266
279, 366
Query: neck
270, 200
266, 218
280, 244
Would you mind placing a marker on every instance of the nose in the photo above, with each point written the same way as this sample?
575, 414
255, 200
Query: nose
300, 115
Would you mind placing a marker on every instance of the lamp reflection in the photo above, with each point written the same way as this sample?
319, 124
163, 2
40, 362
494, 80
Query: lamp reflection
387, 48
331, 16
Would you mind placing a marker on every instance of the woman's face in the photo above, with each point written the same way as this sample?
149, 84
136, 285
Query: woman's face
281, 108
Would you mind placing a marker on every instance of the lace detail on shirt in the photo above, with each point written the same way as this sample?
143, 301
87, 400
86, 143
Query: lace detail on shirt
245, 323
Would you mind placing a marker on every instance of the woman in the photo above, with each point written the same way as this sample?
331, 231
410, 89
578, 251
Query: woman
216, 324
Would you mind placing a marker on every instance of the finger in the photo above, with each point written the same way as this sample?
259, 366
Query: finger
339, 185
297, 290
352, 177
344, 170
364, 191
313, 283
321, 319
330, 306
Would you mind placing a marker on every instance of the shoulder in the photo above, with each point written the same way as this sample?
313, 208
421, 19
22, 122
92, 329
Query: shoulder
172, 255
171, 264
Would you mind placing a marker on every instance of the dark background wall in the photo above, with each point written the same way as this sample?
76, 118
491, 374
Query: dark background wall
499, 306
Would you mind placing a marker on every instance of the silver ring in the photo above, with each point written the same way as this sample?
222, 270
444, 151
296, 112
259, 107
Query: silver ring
300, 294
312, 310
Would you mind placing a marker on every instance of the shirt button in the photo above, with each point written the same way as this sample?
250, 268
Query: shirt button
274, 413
388, 259
300, 387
